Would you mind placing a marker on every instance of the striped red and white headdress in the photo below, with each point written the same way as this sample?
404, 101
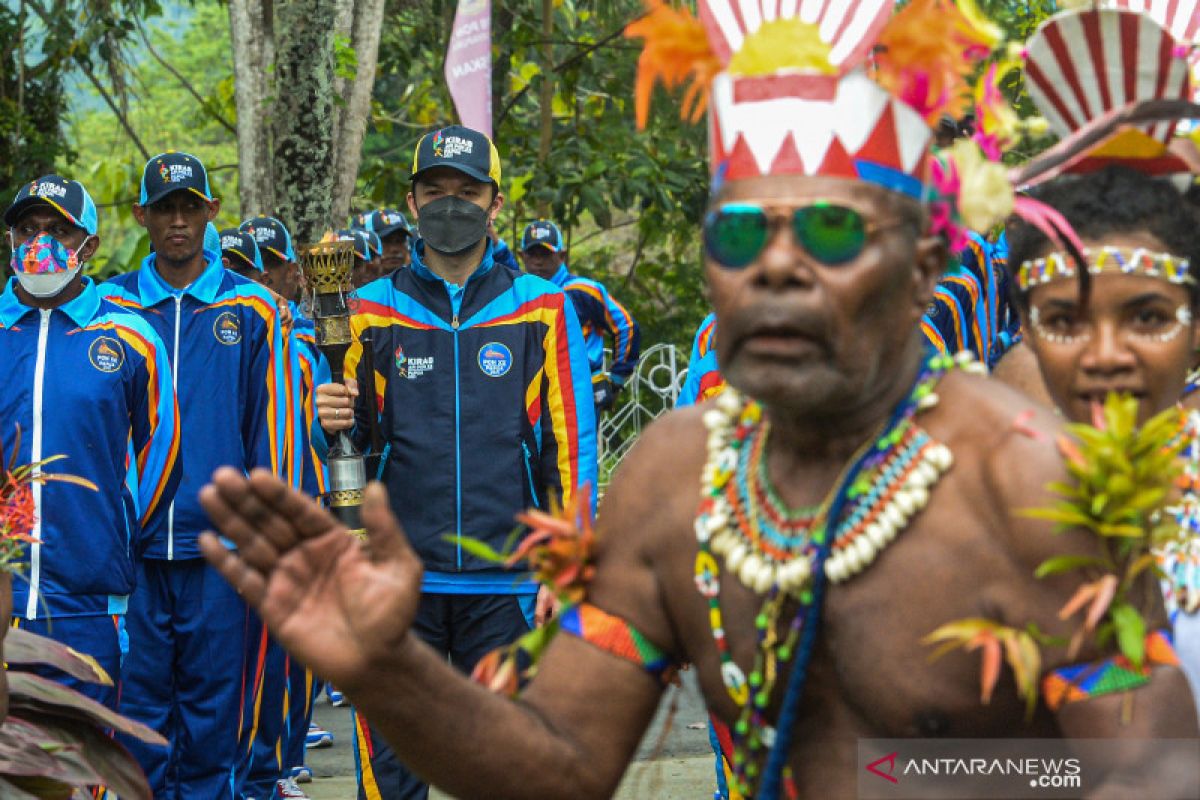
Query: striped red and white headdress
1081, 65
1181, 18
815, 87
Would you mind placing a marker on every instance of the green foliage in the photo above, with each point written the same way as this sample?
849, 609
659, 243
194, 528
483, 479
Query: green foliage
165, 117
628, 202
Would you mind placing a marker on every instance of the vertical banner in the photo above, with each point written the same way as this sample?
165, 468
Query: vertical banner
469, 64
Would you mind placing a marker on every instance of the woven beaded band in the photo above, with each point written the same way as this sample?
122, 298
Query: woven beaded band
616, 636
1057, 266
1110, 676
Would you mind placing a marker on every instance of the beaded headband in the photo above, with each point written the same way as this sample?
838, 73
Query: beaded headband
1058, 266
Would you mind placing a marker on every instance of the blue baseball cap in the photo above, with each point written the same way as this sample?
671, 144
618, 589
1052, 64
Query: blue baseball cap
67, 197
237, 244
361, 240
375, 242
271, 235
542, 233
385, 222
172, 172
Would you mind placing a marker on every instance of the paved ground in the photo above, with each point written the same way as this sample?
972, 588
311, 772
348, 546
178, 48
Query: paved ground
676, 766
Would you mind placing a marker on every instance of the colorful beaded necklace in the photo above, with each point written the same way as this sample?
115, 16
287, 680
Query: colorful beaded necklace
774, 550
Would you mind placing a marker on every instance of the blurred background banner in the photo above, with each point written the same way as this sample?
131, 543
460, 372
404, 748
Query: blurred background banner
469, 64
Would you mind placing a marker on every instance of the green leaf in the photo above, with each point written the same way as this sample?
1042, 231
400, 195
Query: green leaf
1131, 632
476, 548
1059, 564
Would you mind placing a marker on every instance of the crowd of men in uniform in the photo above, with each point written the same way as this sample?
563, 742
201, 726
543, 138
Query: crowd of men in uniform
490, 382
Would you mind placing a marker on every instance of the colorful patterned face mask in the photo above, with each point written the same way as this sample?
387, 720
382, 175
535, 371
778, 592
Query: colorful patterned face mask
44, 266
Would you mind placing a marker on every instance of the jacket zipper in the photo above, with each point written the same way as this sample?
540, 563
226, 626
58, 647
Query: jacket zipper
456, 306
175, 386
35, 455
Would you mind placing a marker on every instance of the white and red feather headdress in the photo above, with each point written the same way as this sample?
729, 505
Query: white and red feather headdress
814, 87
1081, 65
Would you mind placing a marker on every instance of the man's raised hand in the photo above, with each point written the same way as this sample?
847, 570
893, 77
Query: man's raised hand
339, 605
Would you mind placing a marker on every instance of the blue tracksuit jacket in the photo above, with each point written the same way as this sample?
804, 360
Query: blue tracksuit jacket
600, 314
89, 382
484, 400
230, 369
971, 308
310, 370
703, 377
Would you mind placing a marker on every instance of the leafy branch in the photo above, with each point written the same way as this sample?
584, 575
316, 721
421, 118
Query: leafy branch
1122, 476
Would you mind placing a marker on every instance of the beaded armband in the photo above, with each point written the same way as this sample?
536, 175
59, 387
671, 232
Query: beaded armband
1110, 676
616, 636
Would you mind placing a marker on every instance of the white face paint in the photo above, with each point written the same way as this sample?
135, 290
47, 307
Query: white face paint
1063, 329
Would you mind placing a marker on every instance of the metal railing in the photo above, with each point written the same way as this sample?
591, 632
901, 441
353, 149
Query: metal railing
650, 392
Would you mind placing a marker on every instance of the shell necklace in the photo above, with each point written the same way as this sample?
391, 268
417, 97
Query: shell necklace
764, 543
773, 549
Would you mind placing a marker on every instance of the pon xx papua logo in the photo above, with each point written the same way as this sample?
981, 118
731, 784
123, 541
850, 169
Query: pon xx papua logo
227, 328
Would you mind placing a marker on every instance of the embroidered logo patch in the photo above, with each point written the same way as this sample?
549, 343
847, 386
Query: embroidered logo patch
401, 361
106, 354
228, 328
412, 367
495, 360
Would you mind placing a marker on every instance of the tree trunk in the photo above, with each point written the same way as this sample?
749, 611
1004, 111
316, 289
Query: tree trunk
368, 20
303, 116
546, 101
250, 30
343, 30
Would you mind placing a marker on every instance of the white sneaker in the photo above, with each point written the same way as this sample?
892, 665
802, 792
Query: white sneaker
288, 790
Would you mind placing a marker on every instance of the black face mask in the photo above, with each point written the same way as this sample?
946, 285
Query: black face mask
452, 226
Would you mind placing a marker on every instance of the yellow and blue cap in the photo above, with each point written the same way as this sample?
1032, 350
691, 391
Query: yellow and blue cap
240, 245
272, 235
542, 233
172, 172
460, 148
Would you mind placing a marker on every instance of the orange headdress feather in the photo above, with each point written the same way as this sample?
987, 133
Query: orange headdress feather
928, 52
675, 48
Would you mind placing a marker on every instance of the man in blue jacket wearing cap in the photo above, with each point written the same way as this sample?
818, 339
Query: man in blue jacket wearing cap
187, 630
90, 384
600, 314
281, 271
483, 400
395, 234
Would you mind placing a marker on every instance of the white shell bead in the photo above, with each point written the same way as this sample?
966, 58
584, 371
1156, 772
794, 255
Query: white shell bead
920, 497
904, 501
748, 571
892, 516
833, 569
736, 556
853, 562
730, 403
714, 419
865, 550
764, 579
876, 533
